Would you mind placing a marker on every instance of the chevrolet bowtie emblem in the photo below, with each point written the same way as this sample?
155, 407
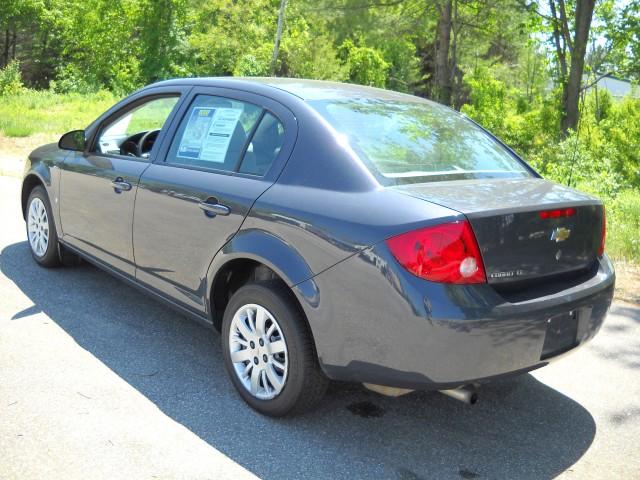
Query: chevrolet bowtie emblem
560, 234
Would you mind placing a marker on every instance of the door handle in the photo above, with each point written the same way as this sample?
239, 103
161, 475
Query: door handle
120, 185
213, 209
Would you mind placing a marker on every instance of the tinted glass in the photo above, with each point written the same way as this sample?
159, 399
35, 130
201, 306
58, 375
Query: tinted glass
403, 142
121, 136
264, 147
213, 133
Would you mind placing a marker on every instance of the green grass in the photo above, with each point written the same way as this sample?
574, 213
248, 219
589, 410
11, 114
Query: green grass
32, 111
623, 222
12, 129
623, 226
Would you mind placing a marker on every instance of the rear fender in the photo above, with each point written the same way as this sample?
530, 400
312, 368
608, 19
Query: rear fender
263, 247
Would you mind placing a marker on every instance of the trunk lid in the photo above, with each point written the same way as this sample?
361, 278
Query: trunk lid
516, 243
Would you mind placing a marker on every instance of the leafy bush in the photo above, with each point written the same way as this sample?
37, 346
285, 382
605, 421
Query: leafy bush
403, 64
366, 65
308, 52
69, 79
11, 79
253, 65
488, 100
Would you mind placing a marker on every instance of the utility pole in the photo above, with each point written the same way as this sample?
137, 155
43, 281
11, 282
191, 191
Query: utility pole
276, 46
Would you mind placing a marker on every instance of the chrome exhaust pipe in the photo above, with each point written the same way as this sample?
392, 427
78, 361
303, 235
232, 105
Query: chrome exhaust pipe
463, 394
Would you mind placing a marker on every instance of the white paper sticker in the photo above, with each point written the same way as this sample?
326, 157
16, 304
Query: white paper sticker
208, 133
216, 143
194, 133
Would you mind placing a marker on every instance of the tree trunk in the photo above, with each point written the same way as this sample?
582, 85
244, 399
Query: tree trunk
442, 77
557, 40
584, 13
7, 46
276, 45
14, 42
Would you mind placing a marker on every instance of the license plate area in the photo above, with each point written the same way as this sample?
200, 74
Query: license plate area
561, 334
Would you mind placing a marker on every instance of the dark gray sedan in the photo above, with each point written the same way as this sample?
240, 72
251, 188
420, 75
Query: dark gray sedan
328, 231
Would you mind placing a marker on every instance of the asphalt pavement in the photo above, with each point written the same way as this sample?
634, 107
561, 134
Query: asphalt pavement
99, 381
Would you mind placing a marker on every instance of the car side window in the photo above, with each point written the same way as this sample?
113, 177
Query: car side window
134, 133
264, 147
213, 133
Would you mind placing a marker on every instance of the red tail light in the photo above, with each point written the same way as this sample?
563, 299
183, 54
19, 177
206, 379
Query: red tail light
603, 234
557, 213
446, 253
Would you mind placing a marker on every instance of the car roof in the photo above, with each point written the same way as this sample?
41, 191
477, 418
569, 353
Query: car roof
308, 90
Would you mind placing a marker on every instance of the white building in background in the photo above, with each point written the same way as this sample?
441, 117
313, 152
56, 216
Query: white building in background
617, 87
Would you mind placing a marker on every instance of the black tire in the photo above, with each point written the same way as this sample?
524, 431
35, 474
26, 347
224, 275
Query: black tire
50, 257
305, 384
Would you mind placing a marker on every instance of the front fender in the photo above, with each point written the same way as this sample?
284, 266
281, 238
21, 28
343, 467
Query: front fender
32, 178
37, 170
41, 168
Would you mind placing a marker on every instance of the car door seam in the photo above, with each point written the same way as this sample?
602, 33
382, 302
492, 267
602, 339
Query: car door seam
133, 221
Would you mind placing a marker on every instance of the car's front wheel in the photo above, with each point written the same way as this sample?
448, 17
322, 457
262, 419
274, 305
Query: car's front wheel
41, 231
268, 350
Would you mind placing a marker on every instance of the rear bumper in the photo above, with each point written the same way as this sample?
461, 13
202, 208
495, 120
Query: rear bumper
374, 322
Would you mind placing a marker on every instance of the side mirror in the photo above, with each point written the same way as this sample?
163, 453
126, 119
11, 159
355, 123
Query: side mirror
73, 140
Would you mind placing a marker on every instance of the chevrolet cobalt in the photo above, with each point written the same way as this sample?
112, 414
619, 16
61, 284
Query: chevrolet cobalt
327, 231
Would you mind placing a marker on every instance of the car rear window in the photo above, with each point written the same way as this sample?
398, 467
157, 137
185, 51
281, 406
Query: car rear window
417, 141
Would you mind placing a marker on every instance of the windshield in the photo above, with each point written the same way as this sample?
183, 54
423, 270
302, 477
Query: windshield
409, 142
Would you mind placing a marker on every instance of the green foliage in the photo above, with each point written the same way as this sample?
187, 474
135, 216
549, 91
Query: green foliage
366, 65
623, 217
253, 64
308, 52
70, 79
400, 55
10, 79
160, 32
488, 100
230, 37
97, 43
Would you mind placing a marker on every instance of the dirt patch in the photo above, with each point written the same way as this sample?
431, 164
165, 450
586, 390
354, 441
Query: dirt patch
14, 151
627, 282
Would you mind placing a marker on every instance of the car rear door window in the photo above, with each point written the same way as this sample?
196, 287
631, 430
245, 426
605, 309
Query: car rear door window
264, 147
214, 133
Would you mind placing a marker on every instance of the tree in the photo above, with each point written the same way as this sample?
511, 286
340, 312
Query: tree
575, 44
160, 23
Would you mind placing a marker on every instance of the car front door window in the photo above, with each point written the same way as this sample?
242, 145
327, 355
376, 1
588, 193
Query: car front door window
133, 134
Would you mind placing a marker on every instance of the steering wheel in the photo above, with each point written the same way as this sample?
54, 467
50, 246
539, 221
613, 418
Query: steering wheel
129, 148
143, 141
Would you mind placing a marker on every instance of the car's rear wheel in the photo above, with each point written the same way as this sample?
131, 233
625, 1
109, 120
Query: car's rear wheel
41, 231
268, 351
